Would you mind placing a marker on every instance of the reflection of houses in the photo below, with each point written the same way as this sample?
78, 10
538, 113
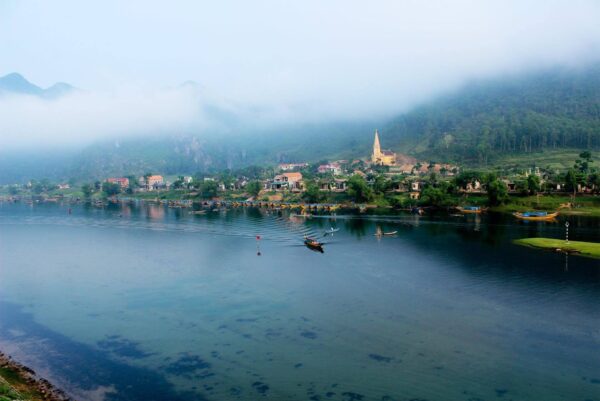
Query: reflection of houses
333, 168
289, 181
123, 182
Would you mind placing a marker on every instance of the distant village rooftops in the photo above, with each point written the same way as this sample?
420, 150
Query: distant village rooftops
123, 182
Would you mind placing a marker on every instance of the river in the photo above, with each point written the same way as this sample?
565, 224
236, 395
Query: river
143, 302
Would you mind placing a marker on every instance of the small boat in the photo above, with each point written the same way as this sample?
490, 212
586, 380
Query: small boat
418, 211
535, 216
380, 233
331, 231
313, 244
470, 209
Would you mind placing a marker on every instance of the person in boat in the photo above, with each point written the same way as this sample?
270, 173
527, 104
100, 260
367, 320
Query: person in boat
312, 242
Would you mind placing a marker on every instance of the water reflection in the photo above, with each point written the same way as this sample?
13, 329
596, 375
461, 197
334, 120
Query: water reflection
448, 309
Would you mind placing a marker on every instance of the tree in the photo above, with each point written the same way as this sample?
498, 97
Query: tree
381, 184
253, 188
312, 194
496, 190
208, 189
13, 189
359, 189
434, 197
178, 182
571, 181
87, 190
533, 184
583, 164
594, 181
111, 188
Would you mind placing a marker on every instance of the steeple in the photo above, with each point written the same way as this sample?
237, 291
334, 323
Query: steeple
376, 147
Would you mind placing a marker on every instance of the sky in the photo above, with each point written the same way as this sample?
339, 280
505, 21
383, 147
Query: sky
266, 62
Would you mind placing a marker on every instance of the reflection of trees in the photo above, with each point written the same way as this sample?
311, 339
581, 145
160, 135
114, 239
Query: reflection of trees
254, 213
357, 227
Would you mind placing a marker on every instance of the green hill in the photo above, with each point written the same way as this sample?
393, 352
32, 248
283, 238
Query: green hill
556, 109
544, 118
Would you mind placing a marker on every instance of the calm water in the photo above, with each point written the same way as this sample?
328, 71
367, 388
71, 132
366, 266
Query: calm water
148, 303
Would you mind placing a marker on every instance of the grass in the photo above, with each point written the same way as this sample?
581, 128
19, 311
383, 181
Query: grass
11, 380
562, 159
589, 249
586, 205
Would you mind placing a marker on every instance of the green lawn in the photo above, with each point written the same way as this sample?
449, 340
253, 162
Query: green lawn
554, 159
589, 249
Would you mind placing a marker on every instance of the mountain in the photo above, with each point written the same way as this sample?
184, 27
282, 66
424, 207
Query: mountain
16, 84
514, 115
553, 109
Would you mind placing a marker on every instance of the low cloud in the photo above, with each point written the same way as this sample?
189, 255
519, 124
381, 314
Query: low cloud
266, 63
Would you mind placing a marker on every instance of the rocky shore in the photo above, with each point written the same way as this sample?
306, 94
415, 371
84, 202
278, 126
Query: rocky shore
26, 383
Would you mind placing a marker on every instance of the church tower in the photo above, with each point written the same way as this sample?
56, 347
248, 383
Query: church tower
376, 156
382, 157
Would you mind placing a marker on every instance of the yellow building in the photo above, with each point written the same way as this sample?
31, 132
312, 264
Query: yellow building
382, 157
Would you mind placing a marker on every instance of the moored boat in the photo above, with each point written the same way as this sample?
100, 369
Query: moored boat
470, 209
535, 216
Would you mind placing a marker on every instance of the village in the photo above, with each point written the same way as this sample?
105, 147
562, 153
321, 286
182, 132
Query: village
383, 179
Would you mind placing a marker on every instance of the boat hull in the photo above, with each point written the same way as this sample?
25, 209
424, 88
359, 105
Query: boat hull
547, 217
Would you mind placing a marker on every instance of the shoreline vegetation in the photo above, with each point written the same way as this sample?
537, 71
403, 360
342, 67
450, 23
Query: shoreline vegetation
585, 205
581, 248
20, 383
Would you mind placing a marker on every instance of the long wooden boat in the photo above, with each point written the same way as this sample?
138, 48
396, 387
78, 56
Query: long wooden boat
313, 244
535, 216
470, 209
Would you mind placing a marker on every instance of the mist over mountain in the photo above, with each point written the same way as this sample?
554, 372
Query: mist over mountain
549, 109
16, 84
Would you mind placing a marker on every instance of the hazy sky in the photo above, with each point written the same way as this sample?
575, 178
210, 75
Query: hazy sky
274, 60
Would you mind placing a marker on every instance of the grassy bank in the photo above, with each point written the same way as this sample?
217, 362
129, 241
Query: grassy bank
19, 383
589, 249
586, 205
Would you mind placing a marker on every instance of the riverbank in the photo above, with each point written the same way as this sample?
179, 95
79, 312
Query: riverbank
19, 383
588, 249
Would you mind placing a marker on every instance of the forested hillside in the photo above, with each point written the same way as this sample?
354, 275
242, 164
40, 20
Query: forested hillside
513, 116
545, 110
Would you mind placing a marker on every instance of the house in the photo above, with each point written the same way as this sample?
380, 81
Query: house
400, 186
406, 168
474, 186
63, 186
340, 185
187, 179
414, 195
335, 185
333, 168
289, 181
123, 182
416, 186
292, 166
152, 182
